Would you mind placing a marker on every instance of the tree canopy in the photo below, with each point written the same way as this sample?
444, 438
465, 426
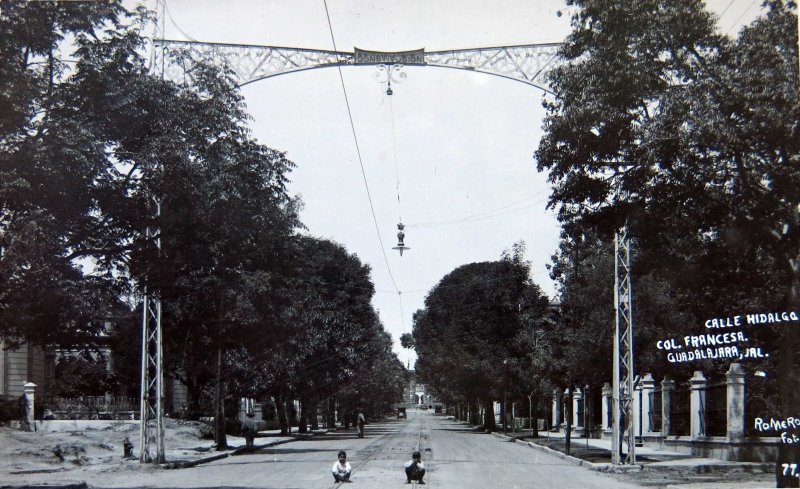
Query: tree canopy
468, 335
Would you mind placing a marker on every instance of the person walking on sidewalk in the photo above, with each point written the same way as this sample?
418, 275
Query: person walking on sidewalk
249, 429
360, 421
341, 469
415, 469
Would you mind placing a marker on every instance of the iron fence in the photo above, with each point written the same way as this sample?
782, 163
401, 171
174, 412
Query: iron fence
680, 411
714, 418
88, 407
655, 416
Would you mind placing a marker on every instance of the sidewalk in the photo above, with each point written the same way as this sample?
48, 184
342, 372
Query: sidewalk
674, 470
236, 445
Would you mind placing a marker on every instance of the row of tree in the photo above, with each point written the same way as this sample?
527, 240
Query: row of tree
95, 148
660, 122
692, 139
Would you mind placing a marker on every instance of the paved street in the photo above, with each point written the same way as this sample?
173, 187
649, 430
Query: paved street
456, 457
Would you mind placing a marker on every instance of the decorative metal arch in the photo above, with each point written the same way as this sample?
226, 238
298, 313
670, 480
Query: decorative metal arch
524, 63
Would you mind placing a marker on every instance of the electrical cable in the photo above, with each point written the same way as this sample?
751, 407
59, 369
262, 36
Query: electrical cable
740, 17
358, 150
513, 207
726, 8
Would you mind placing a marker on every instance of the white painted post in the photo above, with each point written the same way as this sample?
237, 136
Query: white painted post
556, 410
648, 388
607, 391
577, 419
698, 404
667, 386
735, 402
30, 394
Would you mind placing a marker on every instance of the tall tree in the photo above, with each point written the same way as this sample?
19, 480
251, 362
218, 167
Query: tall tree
52, 162
469, 326
661, 122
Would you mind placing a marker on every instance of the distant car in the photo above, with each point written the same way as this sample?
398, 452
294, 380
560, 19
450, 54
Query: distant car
424, 407
401, 413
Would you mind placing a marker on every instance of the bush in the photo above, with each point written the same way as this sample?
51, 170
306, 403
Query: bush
9, 409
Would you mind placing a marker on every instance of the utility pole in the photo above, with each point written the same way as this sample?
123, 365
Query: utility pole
151, 407
621, 401
151, 427
505, 394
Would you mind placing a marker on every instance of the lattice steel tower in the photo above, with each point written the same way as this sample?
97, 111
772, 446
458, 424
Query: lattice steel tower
151, 428
622, 393
151, 398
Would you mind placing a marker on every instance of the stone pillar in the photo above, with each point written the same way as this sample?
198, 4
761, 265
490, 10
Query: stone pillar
556, 410
667, 386
30, 394
577, 418
648, 387
637, 422
606, 421
698, 404
735, 398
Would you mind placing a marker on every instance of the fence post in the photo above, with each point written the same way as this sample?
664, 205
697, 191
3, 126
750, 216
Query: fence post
606, 421
667, 386
30, 394
698, 404
648, 387
735, 401
556, 410
577, 410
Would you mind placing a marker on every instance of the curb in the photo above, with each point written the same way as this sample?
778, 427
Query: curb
747, 467
77, 485
573, 460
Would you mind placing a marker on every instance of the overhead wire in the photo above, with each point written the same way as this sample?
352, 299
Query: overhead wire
358, 150
740, 17
513, 207
726, 8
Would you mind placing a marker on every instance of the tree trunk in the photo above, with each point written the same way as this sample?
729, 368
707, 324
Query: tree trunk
568, 417
290, 412
535, 418
332, 412
219, 418
280, 412
503, 421
344, 418
474, 417
488, 416
314, 413
302, 425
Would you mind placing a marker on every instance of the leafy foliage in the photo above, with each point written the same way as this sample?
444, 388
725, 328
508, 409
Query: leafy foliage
468, 335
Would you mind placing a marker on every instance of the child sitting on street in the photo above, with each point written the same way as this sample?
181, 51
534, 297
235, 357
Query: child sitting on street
341, 469
415, 469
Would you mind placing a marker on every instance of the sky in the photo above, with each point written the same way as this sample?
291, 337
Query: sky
450, 153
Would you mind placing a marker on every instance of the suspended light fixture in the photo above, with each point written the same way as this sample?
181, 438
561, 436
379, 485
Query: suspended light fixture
400, 236
388, 73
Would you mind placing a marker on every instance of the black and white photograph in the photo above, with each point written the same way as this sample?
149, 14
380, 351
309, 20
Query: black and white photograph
393, 243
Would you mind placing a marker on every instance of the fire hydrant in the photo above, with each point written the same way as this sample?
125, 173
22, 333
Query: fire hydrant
127, 448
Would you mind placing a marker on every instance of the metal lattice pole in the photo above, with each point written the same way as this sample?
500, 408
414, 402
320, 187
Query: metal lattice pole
151, 429
622, 397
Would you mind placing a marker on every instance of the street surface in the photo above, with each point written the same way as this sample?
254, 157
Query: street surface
455, 456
